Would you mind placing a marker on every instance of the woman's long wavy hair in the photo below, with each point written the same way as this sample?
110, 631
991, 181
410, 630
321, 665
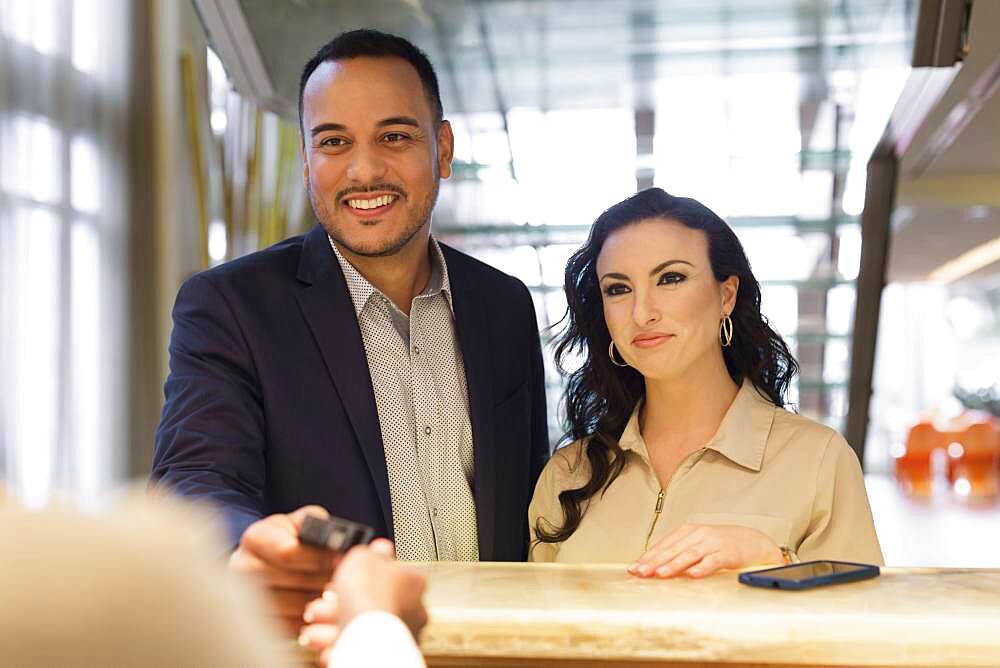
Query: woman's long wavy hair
601, 396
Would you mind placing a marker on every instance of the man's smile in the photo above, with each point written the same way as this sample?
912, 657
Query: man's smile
369, 205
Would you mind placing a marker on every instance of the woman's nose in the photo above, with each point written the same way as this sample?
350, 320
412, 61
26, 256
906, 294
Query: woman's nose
645, 312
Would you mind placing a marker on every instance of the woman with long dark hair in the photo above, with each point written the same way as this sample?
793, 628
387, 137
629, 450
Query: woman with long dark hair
683, 458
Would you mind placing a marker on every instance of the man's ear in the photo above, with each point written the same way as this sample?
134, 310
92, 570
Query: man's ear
305, 161
446, 149
730, 288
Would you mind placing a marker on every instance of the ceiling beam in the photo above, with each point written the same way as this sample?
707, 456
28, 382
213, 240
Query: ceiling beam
234, 42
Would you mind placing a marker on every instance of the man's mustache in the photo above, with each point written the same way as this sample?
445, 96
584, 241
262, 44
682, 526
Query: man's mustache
375, 188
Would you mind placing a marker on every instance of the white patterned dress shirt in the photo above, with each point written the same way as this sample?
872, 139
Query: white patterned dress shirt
418, 376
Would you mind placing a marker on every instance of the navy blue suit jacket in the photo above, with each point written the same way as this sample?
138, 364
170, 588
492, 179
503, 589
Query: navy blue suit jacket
269, 402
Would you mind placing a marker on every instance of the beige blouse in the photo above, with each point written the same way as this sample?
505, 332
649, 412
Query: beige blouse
792, 478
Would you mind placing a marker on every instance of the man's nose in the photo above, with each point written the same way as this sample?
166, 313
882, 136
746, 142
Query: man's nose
366, 165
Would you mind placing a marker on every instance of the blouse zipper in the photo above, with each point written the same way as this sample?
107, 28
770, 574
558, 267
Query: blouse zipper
656, 516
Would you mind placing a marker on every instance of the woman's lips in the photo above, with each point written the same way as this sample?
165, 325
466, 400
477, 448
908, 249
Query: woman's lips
651, 340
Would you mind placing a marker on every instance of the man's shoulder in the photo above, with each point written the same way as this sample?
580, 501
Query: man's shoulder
462, 266
281, 259
268, 275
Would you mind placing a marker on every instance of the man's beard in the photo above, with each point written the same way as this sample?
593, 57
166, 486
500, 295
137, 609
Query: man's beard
420, 218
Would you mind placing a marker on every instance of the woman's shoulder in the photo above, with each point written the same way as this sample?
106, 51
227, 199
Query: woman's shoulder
569, 462
805, 433
800, 447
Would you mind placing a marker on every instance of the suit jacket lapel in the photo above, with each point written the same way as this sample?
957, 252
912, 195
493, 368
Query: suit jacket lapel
472, 328
327, 307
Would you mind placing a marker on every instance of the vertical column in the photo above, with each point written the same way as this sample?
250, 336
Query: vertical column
645, 125
880, 196
642, 25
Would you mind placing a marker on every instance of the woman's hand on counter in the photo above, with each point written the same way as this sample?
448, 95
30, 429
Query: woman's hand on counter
697, 550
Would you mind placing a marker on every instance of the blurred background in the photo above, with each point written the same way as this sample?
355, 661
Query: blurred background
852, 144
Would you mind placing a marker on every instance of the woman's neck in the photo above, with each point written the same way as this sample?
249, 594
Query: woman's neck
681, 415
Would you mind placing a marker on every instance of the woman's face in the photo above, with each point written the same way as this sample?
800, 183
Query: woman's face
662, 303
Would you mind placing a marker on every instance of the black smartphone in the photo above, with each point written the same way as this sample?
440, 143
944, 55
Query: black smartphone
809, 574
334, 533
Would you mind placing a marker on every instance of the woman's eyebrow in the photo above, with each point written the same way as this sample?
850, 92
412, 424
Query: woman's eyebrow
663, 265
657, 269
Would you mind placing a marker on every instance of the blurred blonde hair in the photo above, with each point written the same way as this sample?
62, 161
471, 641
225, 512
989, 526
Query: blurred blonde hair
143, 584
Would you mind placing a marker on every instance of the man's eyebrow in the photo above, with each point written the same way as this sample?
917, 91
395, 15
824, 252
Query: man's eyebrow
663, 265
385, 122
327, 127
398, 120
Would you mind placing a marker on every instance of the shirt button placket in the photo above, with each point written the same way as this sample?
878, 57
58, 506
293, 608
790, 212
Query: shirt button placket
414, 339
420, 400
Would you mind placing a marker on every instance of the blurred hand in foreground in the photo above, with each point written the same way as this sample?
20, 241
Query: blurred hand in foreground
366, 580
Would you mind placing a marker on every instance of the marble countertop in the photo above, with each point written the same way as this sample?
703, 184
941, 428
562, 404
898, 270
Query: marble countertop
905, 617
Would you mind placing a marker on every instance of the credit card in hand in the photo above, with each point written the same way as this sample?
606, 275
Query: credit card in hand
334, 533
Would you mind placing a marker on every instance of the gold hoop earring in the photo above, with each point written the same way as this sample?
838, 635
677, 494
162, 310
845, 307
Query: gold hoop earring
611, 354
726, 331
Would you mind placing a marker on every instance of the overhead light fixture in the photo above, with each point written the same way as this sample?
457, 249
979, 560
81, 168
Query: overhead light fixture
977, 213
968, 262
901, 216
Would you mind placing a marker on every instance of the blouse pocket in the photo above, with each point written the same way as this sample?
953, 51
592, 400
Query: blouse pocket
777, 529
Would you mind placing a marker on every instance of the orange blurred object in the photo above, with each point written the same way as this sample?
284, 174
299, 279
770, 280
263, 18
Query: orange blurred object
972, 444
974, 458
913, 463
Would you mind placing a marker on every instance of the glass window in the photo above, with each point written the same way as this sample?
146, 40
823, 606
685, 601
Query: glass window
36, 351
60, 194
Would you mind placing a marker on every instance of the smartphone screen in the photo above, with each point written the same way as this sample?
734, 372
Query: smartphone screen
814, 569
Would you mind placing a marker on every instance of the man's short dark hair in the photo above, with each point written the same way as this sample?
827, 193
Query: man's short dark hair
377, 44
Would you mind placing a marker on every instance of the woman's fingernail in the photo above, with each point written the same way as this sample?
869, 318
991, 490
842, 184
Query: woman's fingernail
303, 640
308, 616
633, 567
662, 570
643, 569
330, 595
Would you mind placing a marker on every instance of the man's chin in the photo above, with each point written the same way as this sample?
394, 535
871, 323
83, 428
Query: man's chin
363, 245
376, 251
371, 248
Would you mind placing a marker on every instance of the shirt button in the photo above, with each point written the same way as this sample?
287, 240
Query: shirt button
427, 430
434, 512
416, 350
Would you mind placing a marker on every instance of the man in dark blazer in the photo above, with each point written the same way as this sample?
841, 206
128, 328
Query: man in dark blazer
279, 393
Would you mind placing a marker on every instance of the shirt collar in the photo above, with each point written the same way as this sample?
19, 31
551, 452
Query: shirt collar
741, 437
361, 289
439, 281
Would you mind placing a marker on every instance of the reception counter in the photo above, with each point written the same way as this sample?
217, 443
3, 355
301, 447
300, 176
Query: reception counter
547, 614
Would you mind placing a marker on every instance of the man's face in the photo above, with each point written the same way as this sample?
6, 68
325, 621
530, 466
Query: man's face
372, 154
